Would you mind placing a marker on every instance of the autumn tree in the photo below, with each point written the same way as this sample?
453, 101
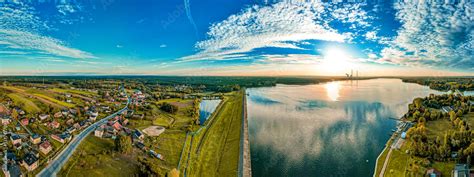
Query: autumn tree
123, 144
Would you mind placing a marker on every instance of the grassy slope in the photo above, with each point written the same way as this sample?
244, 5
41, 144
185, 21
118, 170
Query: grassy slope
219, 153
97, 163
30, 106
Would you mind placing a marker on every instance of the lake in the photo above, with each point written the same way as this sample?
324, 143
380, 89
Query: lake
206, 108
329, 129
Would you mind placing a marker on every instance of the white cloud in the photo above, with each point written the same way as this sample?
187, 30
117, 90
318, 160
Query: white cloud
281, 25
291, 59
36, 44
21, 29
163, 45
433, 34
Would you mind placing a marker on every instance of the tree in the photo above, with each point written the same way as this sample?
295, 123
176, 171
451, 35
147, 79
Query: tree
452, 116
173, 173
123, 144
15, 114
169, 108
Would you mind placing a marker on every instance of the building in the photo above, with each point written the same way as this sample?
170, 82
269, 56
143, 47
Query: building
35, 139
461, 170
137, 134
16, 139
432, 173
43, 116
25, 121
58, 115
62, 138
45, 147
99, 132
30, 162
92, 118
117, 126
6, 120
55, 124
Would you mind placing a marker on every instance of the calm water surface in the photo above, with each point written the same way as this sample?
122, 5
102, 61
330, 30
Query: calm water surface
331, 129
206, 108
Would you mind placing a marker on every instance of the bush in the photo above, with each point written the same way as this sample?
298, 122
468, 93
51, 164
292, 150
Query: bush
169, 108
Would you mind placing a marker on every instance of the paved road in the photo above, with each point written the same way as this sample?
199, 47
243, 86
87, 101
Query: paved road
385, 163
245, 169
58, 162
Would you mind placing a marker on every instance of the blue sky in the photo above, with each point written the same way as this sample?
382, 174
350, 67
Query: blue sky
245, 37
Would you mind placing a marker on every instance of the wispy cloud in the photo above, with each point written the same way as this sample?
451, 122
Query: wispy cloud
281, 25
21, 32
433, 34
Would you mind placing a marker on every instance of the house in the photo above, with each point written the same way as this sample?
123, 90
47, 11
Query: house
45, 147
58, 138
140, 145
94, 113
65, 112
65, 136
117, 126
154, 154
25, 121
73, 111
43, 116
16, 139
35, 139
93, 118
70, 121
461, 170
54, 124
6, 120
432, 173
137, 134
18, 127
446, 109
99, 132
69, 101
30, 162
71, 129
58, 115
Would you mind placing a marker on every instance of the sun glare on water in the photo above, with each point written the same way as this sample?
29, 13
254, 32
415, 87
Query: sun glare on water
332, 90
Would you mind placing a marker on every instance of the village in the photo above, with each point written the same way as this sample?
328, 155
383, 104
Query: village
32, 137
49, 128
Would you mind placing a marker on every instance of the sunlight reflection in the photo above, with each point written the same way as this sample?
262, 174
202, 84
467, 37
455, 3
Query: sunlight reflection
332, 89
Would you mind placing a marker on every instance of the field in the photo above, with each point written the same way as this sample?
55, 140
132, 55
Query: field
96, 157
29, 105
215, 152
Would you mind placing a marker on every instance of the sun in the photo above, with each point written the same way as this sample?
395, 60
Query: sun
336, 61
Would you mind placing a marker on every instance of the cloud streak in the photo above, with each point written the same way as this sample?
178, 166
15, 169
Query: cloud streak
281, 25
434, 35
21, 32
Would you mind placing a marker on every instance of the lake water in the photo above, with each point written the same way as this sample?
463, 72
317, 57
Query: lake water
330, 129
206, 108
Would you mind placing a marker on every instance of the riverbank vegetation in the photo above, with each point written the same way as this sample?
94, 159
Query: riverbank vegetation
441, 137
444, 83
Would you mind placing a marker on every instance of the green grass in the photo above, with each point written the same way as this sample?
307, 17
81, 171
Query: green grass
80, 92
29, 105
437, 128
381, 160
219, 152
95, 157
61, 103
